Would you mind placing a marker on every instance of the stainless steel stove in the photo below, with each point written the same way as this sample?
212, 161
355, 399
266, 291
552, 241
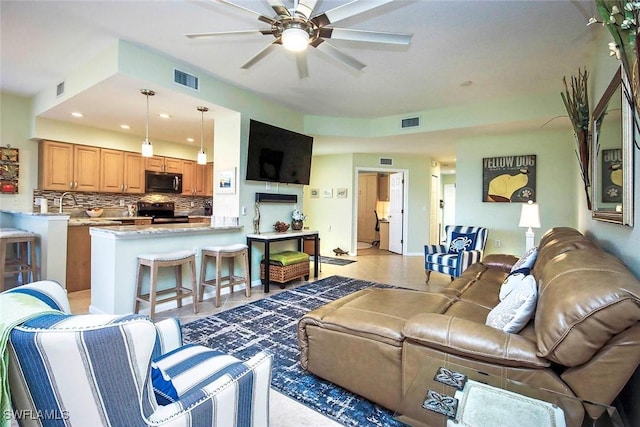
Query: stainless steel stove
161, 212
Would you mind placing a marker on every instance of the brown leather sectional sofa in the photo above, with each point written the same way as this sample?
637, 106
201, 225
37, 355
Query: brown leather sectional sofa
583, 340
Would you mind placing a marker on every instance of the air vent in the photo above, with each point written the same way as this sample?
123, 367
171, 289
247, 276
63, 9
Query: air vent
60, 89
386, 161
185, 79
411, 122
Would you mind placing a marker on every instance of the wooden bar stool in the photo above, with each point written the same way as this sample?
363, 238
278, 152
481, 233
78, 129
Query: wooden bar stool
24, 261
154, 262
219, 282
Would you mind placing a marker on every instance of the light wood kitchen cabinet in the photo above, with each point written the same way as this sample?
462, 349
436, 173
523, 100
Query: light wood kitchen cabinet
188, 178
195, 178
383, 187
69, 167
384, 235
208, 179
121, 172
367, 198
163, 164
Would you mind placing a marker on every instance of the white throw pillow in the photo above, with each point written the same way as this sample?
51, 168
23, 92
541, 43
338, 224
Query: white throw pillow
510, 283
514, 312
527, 260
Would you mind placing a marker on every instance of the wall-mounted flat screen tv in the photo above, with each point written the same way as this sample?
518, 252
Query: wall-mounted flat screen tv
278, 155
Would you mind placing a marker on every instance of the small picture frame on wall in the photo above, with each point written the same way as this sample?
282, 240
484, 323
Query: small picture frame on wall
315, 193
327, 193
225, 182
341, 193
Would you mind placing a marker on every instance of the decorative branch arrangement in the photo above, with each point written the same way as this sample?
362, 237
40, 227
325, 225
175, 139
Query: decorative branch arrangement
621, 19
576, 101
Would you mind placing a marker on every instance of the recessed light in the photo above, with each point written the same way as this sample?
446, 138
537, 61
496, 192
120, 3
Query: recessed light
164, 116
77, 114
123, 126
190, 140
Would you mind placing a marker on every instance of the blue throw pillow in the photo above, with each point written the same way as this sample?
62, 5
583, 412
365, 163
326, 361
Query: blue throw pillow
526, 261
462, 242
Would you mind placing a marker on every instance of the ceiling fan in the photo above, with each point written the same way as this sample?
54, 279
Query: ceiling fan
298, 28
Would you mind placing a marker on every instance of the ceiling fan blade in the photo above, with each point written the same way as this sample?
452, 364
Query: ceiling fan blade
337, 54
347, 10
365, 36
260, 16
301, 61
228, 33
305, 8
278, 8
264, 52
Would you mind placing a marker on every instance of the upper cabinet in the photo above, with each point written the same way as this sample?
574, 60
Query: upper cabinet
197, 180
121, 172
383, 187
164, 164
73, 167
69, 167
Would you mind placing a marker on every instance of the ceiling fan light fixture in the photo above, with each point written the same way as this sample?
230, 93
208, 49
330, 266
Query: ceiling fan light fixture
295, 39
147, 148
201, 159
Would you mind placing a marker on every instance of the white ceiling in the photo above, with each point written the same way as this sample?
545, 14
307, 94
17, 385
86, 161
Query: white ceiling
503, 48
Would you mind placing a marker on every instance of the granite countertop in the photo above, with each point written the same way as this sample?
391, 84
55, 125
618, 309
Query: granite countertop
153, 230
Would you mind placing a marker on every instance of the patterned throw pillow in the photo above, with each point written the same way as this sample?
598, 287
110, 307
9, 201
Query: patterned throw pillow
512, 281
514, 312
461, 242
527, 260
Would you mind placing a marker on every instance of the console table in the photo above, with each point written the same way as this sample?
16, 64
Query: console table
268, 238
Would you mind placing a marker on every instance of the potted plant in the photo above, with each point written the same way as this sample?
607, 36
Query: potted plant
297, 220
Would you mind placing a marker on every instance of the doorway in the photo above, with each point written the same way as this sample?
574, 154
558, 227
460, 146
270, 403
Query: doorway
380, 205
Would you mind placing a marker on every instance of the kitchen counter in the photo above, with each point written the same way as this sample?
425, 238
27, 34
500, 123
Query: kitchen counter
155, 230
114, 259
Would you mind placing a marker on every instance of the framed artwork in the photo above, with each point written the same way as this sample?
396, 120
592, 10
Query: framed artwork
509, 179
327, 193
225, 182
611, 171
315, 193
341, 193
9, 169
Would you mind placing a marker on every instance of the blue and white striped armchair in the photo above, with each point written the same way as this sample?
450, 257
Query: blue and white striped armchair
464, 246
110, 370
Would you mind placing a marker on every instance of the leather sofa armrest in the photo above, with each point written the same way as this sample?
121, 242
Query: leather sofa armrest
500, 261
473, 340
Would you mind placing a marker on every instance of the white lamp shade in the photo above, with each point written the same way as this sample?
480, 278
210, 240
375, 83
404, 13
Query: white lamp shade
202, 157
530, 215
147, 148
295, 39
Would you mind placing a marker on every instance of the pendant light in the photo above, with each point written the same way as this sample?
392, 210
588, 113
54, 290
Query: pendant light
202, 156
147, 148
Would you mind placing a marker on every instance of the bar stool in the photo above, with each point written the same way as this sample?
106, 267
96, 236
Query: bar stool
155, 261
219, 253
24, 261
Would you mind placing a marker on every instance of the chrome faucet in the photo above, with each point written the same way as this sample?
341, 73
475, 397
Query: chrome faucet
75, 202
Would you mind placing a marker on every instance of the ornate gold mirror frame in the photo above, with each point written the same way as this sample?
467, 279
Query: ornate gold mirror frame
612, 153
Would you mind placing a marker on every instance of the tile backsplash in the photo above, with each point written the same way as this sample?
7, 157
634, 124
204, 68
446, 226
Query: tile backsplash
194, 205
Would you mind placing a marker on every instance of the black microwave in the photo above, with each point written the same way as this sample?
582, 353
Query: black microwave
162, 182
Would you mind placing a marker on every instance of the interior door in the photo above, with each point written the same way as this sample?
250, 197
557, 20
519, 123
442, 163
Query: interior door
396, 202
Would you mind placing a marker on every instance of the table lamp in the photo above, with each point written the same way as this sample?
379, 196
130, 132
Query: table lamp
529, 217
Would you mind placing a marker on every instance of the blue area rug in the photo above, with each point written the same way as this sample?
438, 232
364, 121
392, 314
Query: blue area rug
271, 323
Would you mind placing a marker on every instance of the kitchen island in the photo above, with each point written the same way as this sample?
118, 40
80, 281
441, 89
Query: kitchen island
114, 257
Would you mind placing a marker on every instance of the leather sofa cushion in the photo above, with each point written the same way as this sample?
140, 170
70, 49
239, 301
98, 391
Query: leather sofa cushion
469, 338
376, 313
585, 299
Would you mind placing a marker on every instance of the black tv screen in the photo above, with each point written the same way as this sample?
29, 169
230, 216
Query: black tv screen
278, 155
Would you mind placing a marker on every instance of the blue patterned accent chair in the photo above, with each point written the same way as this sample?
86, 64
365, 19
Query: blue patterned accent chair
124, 370
464, 246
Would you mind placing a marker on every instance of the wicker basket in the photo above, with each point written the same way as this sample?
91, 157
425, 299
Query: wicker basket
280, 274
